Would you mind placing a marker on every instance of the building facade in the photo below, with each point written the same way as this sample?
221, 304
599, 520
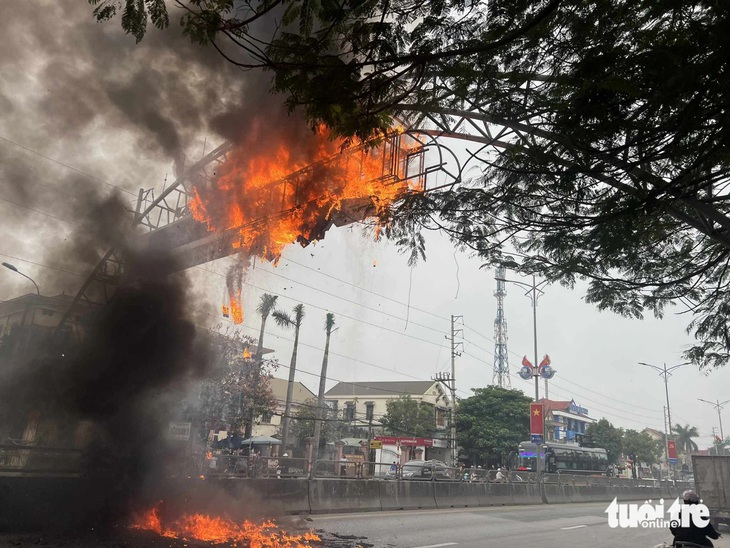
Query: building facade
365, 403
270, 424
565, 420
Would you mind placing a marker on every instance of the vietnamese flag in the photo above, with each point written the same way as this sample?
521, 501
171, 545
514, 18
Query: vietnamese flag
671, 449
536, 419
526, 362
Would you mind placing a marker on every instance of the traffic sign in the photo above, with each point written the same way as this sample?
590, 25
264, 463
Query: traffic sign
537, 438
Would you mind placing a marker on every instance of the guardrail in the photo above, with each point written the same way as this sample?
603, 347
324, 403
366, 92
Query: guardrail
35, 460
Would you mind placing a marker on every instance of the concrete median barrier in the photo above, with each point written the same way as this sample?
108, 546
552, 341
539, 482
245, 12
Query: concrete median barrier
554, 493
495, 494
288, 496
455, 494
406, 495
526, 493
337, 495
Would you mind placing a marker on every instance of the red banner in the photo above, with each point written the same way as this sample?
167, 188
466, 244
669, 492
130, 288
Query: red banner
536, 419
671, 449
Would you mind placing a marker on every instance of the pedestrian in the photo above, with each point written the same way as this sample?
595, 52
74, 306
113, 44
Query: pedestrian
500, 477
343, 466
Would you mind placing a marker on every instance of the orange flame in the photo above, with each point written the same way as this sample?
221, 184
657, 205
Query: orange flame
247, 354
218, 530
286, 197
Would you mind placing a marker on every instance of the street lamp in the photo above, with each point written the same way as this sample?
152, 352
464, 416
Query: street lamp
15, 269
533, 292
717, 405
665, 372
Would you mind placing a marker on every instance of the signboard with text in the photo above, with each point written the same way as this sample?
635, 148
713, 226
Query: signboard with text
413, 442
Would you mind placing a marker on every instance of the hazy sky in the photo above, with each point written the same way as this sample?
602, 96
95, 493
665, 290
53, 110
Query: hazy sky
112, 114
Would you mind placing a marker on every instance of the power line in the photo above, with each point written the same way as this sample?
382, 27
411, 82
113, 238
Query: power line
39, 211
80, 172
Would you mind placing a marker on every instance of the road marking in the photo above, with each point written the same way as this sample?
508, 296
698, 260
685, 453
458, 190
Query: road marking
439, 545
573, 527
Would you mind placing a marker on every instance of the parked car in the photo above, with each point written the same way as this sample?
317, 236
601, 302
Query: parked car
421, 470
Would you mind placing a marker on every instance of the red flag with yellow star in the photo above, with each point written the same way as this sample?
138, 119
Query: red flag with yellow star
536, 419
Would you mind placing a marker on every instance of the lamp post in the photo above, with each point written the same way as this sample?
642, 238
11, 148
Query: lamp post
665, 372
15, 269
534, 292
719, 406
19, 343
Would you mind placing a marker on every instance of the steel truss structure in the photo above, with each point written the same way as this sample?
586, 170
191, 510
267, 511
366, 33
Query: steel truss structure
429, 164
500, 374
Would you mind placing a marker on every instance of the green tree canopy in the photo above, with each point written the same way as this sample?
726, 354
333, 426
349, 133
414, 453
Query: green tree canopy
236, 387
606, 435
603, 127
642, 445
334, 424
684, 435
407, 417
492, 422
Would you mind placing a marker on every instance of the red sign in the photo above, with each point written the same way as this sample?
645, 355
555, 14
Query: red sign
671, 449
411, 442
537, 422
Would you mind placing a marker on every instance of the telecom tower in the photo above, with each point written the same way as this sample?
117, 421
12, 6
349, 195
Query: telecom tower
500, 376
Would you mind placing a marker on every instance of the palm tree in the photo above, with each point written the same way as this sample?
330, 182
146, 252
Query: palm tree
290, 320
265, 307
684, 437
328, 325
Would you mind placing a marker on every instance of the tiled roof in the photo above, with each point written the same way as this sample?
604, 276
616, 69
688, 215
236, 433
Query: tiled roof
392, 388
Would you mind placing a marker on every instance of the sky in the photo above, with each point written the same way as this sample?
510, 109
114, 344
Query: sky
87, 113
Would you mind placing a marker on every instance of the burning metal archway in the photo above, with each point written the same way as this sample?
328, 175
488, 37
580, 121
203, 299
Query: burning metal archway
418, 158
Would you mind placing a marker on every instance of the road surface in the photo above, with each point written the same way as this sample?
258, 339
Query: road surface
539, 526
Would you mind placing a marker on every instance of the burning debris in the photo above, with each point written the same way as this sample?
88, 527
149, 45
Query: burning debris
292, 191
218, 530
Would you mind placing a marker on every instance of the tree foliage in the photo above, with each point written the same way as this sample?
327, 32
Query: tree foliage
642, 445
407, 417
334, 424
605, 145
492, 422
235, 389
606, 435
684, 435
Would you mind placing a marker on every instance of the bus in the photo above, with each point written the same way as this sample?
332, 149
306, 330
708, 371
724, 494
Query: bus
561, 457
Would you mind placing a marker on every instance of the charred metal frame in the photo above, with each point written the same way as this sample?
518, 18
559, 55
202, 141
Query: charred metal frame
168, 211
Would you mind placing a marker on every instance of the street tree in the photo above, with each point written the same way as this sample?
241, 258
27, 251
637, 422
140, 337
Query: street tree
290, 320
334, 423
684, 435
605, 154
329, 323
408, 417
492, 422
606, 435
265, 307
229, 395
642, 445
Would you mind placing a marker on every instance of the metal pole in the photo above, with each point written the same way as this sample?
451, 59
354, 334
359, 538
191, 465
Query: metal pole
453, 395
719, 416
534, 333
666, 391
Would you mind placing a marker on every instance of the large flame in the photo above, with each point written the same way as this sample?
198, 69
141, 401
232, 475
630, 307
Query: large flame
291, 193
279, 199
218, 530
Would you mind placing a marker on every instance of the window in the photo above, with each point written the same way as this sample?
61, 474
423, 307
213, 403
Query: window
440, 417
266, 418
349, 411
46, 312
369, 410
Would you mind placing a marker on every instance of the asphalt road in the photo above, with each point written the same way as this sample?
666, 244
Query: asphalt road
540, 526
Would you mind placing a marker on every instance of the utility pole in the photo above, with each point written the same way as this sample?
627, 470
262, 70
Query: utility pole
319, 416
449, 379
719, 407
